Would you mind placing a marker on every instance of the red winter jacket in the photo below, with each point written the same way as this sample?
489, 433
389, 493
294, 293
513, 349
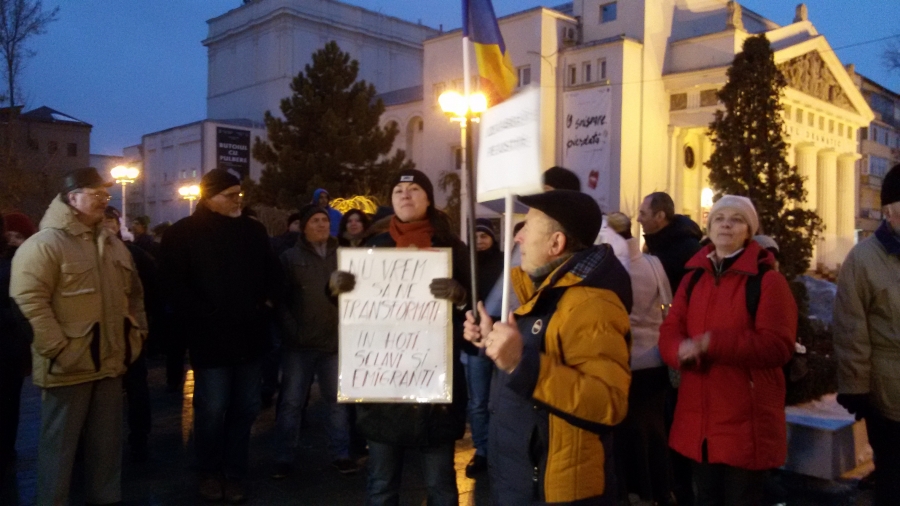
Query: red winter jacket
734, 399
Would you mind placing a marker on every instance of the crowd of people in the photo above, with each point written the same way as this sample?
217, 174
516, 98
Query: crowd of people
624, 370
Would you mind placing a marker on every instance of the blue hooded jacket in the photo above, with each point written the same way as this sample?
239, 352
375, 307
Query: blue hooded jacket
334, 216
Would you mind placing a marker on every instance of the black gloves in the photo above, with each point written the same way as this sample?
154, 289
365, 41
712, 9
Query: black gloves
442, 288
341, 282
448, 289
856, 404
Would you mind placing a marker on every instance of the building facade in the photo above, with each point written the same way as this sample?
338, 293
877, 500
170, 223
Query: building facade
879, 145
651, 74
256, 50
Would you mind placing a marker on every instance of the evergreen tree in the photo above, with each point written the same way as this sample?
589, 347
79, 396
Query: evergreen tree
750, 156
329, 137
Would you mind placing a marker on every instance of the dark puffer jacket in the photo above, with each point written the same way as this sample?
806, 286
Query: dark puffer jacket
220, 275
674, 245
423, 424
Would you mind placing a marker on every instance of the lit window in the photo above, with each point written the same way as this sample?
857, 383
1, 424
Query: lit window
586, 72
608, 12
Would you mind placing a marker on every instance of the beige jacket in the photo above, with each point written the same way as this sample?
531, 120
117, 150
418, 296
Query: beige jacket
867, 326
80, 291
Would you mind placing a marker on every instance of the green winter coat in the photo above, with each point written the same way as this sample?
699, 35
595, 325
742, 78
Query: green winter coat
80, 291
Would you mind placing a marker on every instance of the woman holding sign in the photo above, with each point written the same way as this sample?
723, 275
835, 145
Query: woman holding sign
432, 429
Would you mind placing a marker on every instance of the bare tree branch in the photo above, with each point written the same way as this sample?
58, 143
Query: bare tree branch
891, 56
19, 21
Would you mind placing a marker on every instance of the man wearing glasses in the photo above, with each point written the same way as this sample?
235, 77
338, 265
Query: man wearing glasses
221, 278
77, 285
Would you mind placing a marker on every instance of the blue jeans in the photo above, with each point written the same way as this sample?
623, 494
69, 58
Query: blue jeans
298, 369
386, 466
478, 378
226, 402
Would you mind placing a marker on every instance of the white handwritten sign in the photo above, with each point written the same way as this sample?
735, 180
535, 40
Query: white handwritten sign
395, 338
586, 141
509, 148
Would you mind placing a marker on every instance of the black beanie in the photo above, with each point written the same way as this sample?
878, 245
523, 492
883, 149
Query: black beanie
216, 181
577, 213
418, 177
890, 186
308, 211
561, 178
484, 225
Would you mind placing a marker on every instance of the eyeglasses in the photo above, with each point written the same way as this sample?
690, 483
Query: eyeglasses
233, 196
102, 196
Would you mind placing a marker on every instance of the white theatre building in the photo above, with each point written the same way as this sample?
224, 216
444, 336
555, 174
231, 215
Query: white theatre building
650, 69
627, 93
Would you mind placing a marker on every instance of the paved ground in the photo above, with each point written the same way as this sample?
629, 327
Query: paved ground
167, 478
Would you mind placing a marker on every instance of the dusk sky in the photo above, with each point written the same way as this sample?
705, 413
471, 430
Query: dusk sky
134, 67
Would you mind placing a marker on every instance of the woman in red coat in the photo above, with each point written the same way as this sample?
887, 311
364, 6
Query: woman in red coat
729, 418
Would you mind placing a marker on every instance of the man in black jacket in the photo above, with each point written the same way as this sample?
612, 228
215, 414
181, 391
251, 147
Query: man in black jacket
221, 277
673, 238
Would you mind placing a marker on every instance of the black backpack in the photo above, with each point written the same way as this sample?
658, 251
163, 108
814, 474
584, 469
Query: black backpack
752, 294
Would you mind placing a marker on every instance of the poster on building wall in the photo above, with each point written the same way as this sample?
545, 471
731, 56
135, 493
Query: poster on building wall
233, 150
586, 136
394, 338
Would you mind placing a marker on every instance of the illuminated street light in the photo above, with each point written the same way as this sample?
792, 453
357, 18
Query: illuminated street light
465, 110
123, 175
190, 193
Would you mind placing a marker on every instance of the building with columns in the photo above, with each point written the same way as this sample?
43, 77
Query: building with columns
651, 74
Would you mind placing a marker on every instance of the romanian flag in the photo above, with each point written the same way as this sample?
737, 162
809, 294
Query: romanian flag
498, 76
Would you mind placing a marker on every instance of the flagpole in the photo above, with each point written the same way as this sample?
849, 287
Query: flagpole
467, 199
507, 256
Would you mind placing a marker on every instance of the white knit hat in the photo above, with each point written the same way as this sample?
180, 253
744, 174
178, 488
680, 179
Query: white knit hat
742, 205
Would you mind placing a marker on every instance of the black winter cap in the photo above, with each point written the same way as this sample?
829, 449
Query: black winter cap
890, 186
418, 177
87, 177
577, 213
561, 178
308, 211
216, 181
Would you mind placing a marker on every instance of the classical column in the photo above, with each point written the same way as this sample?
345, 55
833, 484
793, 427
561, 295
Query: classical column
807, 165
805, 157
827, 207
847, 208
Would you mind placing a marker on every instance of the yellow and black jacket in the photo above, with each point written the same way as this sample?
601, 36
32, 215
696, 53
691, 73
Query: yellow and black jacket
549, 416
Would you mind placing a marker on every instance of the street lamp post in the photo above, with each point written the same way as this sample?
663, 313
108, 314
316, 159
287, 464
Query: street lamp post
465, 109
124, 174
190, 193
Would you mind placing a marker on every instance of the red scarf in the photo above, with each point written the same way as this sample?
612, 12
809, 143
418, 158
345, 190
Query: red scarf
416, 233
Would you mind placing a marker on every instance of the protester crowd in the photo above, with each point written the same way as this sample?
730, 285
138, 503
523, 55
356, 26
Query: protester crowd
626, 370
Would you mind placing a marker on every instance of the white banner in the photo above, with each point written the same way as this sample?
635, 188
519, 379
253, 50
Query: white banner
509, 148
586, 149
395, 338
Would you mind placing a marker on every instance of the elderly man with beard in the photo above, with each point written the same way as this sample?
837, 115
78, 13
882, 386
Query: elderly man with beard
221, 278
76, 284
